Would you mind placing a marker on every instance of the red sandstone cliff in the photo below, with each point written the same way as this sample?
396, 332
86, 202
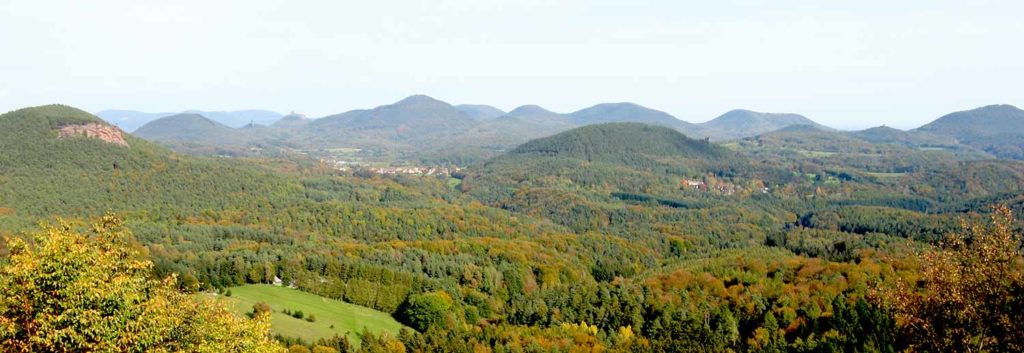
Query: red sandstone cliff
106, 133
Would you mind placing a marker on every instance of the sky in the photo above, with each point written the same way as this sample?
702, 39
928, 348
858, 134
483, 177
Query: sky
847, 64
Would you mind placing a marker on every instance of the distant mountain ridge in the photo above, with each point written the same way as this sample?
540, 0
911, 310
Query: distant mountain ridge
885, 134
741, 123
996, 129
517, 126
240, 118
410, 118
625, 112
291, 120
130, 120
480, 111
421, 124
186, 127
971, 124
536, 113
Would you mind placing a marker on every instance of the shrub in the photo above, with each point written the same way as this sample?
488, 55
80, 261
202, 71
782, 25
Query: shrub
260, 308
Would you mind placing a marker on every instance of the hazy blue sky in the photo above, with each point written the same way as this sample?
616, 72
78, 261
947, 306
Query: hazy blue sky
843, 63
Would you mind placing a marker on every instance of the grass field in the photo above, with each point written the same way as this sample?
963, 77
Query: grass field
453, 183
886, 175
808, 153
349, 319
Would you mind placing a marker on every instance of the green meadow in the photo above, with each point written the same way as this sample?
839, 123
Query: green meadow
332, 316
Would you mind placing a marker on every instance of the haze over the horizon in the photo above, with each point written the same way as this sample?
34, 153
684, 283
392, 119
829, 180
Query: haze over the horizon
849, 64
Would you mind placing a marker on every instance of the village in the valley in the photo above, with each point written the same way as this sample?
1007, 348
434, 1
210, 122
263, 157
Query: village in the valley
423, 170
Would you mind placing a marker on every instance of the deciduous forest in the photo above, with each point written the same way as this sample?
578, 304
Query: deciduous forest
622, 237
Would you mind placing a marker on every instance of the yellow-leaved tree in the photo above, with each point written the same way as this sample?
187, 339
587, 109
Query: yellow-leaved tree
970, 295
90, 291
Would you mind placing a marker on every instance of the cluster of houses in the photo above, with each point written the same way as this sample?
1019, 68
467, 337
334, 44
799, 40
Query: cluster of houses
344, 165
695, 184
710, 185
338, 164
720, 186
417, 170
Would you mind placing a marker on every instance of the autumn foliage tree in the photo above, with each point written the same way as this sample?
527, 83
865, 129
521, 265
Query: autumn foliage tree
71, 291
970, 293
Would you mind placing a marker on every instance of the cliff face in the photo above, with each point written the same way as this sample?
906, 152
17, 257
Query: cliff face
93, 130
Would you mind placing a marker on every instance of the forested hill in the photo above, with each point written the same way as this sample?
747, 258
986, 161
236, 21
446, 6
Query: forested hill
60, 160
741, 123
983, 121
623, 143
626, 112
585, 170
410, 118
185, 127
996, 129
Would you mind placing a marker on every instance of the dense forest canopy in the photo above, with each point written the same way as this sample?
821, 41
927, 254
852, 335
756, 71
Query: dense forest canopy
618, 237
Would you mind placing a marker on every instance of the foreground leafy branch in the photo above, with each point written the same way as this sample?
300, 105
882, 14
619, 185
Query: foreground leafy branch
969, 295
91, 292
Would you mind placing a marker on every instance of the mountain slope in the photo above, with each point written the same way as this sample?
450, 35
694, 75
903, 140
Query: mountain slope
972, 124
186, 127
520, 125
291, 121
625, 112
741, 123
885, 134
997, 129
239, 118
531, 121
417, 119
812, 139
480, 111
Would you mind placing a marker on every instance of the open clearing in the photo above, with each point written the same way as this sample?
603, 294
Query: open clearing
349, 319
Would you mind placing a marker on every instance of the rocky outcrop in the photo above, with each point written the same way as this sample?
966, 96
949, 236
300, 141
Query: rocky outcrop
106, 133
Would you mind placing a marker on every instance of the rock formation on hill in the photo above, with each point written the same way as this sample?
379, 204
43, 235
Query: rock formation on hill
106, 133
